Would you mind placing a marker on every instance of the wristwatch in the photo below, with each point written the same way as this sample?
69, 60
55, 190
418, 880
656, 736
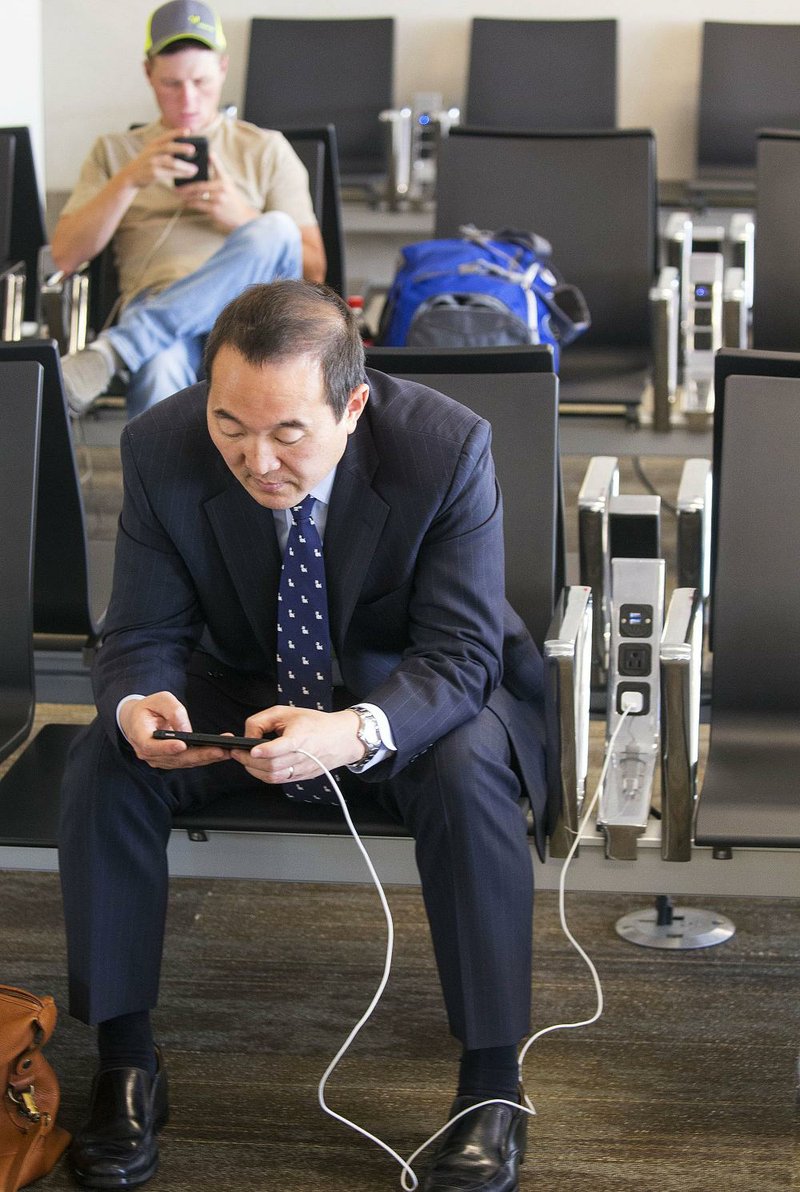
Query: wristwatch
368, 733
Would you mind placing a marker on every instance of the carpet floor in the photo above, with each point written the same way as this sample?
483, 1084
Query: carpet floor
686, 1083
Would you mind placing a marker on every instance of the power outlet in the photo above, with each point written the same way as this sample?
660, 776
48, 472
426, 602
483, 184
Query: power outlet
634, 658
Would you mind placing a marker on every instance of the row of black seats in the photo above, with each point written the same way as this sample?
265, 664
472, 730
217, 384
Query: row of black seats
592, 194
522, 75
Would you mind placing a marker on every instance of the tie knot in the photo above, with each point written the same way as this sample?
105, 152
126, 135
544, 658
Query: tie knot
302, 513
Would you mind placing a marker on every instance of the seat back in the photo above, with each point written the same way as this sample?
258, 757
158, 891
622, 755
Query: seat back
756, 622
28, 233
749, 79
317, 149
63, 602
307, 73
8, 146
592, 195
732, 362
103, 288
776, 289
522, 408
553, 75
21, 403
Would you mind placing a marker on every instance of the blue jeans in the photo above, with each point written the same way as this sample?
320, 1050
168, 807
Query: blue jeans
161, 336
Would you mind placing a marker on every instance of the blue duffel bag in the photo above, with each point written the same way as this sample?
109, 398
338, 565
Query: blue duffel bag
484, 289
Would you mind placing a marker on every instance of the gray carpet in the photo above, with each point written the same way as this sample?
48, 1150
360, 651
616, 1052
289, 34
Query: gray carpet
685, 1084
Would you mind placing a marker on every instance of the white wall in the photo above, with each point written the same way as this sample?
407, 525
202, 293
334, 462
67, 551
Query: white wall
93, 48
21, 98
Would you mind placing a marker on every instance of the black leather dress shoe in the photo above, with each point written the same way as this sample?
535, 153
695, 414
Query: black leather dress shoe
117, 1148
481, 1152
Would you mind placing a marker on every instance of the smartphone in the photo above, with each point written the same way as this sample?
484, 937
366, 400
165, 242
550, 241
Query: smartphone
171, 734
200, 160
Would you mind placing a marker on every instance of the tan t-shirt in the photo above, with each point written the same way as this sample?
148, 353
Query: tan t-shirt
262, 163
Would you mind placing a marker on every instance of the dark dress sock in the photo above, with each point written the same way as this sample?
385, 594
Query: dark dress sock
127, 1042
489, 1072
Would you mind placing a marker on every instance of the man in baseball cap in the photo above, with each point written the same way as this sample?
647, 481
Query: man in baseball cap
184, 246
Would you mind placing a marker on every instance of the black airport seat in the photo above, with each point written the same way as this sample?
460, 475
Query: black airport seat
776, 283
593, 196
21, 402
532, 75
27, 233
749, 79
491, 381
48, 297
317, 149
8, 147
12, 272
69, 596
750, 795
307, 73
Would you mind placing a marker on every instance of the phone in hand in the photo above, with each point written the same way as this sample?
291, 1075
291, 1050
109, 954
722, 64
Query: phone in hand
171, 734
200, 160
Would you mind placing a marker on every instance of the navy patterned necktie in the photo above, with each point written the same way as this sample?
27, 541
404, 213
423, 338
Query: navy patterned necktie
304, 641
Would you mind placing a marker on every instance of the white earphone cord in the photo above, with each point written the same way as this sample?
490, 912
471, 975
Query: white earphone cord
408, 1178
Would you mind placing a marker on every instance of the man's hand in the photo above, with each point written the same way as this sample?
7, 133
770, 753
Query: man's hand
330, 736
161, 160
139, 718
219, 199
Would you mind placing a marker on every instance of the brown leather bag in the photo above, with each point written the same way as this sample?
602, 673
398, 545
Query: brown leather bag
30, 1141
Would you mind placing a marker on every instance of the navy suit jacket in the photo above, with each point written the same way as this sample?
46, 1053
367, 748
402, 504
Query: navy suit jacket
414, 568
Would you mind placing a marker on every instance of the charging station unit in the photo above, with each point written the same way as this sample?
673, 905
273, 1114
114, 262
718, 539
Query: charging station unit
637, 617
703, 332
634, 674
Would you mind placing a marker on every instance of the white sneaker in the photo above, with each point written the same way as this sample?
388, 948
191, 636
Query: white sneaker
86, 375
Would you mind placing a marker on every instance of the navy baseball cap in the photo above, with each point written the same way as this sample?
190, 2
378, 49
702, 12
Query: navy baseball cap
181, 19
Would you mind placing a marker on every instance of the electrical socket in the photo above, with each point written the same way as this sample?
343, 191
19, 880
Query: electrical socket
634, 658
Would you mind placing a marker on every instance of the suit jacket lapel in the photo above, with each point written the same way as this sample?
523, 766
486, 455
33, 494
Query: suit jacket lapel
356, 517
248, 543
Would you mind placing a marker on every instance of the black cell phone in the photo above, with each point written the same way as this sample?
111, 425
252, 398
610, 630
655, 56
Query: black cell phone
200, 160
171, 734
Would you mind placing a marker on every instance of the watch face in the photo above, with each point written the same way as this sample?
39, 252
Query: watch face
369, 732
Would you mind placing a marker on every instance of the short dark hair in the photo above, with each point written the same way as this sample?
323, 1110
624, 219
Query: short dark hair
294, 318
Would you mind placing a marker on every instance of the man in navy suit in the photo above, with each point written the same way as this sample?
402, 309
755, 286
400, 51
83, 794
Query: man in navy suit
436, 694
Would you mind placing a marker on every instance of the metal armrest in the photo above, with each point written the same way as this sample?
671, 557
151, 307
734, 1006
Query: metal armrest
694, 526
741, 234
12, 300
681, 662
678, 237
568, 653
665, 326
735, 309
64, 302
600, 484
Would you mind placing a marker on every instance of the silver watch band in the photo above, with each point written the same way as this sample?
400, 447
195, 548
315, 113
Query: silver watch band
368, 733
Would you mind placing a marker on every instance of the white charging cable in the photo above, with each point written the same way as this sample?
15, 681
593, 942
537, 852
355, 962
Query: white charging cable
387, 968
408, 1178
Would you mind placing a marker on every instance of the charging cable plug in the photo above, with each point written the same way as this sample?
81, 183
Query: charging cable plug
632, 701
632, 767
